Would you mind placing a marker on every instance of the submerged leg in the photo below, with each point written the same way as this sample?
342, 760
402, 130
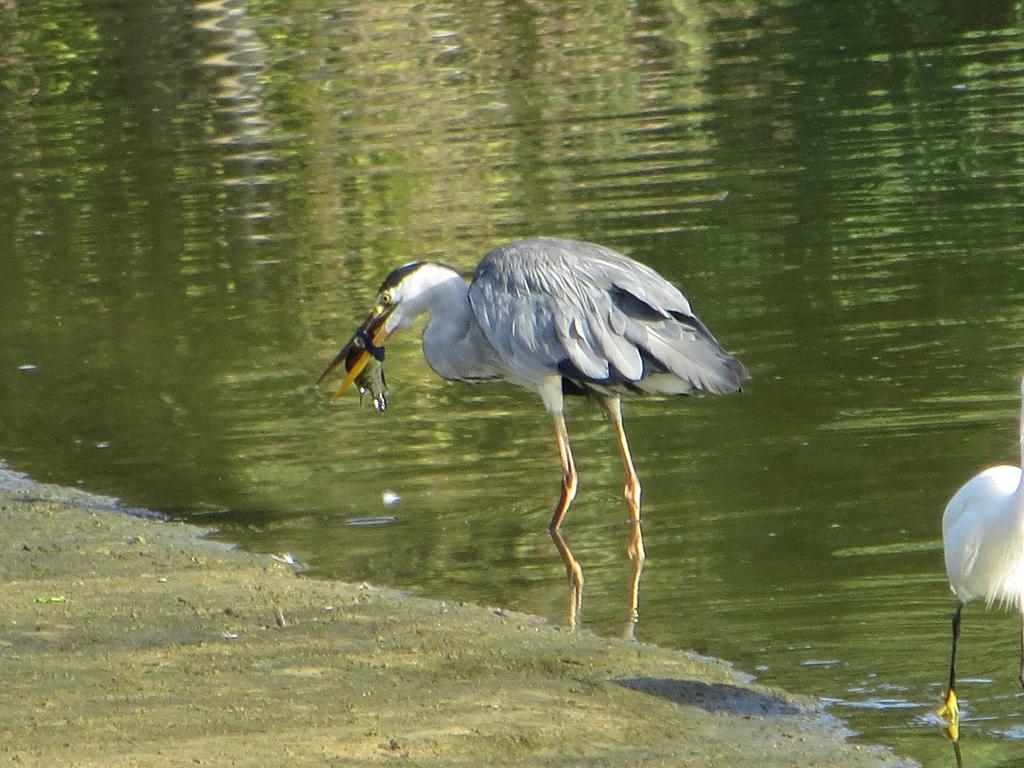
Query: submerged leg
950, 708
631, 492
570, 481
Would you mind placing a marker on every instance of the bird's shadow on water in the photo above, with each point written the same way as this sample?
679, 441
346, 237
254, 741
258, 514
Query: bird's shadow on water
713, 697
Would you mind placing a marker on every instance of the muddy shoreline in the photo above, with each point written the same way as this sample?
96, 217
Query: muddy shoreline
129, 641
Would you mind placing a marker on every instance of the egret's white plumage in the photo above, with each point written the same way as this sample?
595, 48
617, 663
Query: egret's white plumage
983, 545
983, 537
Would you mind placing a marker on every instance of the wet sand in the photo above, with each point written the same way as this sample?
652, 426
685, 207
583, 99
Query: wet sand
134, 642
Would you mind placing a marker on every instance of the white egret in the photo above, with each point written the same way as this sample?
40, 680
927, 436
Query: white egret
983, 541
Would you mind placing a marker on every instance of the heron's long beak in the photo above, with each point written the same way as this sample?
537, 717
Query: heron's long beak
372, 330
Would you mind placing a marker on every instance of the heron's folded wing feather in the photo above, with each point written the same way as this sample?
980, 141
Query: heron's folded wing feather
555, 305
520, 328
550, 323
689, 355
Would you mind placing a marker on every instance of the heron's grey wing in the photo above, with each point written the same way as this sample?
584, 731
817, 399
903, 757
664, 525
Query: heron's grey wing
521, 326
597, 318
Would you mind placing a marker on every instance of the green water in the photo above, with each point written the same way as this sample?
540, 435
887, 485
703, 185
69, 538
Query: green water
198, 201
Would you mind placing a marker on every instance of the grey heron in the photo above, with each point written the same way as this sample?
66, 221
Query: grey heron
557, 317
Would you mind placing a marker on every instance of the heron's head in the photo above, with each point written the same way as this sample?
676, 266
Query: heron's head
399, 301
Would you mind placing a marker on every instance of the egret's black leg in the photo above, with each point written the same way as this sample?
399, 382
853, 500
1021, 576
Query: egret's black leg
950, 708
957, 755
1020, 675
956, 639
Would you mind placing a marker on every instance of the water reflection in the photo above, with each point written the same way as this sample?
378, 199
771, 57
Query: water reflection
251, 147
576, 581
196, 199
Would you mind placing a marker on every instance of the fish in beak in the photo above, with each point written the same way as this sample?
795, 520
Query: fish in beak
363, 357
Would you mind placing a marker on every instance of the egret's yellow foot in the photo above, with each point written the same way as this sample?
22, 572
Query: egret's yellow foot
951, 709
953, 731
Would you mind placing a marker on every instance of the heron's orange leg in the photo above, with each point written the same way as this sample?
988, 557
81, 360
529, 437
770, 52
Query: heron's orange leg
631, 492
570, 481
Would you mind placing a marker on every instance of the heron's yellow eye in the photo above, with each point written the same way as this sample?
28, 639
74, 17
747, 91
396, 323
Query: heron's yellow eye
385, 298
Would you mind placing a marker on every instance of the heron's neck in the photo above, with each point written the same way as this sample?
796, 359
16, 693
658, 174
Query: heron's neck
446, 301
453, 342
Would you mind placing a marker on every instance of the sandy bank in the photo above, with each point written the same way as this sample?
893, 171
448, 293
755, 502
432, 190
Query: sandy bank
132, 642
